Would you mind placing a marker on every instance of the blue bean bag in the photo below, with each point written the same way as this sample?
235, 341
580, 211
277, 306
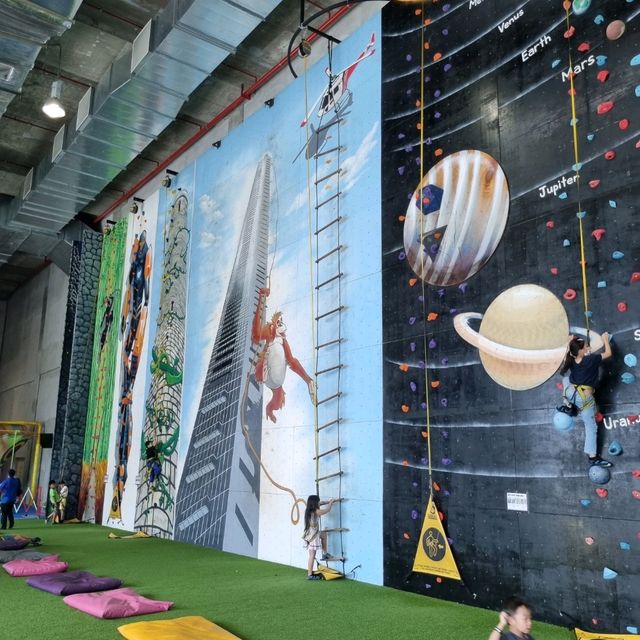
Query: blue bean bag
22, 554
66, 584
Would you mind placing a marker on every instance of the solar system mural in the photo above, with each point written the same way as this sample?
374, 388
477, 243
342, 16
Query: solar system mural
509, 198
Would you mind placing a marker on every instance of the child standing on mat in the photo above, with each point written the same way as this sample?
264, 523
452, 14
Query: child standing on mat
580, 385
54, 502
517, 616
315, 539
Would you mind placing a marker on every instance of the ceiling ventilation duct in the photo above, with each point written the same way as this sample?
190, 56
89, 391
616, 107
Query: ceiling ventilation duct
25, 26
135, 100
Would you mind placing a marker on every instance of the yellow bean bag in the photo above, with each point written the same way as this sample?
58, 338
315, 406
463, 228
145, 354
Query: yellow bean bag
187, 628
585, 635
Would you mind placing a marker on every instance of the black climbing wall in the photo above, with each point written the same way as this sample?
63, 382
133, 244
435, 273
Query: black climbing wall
494, 82
75, 371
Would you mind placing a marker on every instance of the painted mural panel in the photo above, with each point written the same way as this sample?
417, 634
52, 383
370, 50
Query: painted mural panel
96, 442
135, 324
508, 227
247, 446
163, 407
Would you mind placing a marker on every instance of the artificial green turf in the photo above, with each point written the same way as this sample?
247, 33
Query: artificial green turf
256, 600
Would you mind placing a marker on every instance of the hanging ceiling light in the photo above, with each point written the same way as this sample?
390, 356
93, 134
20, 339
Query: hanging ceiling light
53, 107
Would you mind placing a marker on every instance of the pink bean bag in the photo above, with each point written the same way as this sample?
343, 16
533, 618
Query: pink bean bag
66, 584
49, 564
119, 603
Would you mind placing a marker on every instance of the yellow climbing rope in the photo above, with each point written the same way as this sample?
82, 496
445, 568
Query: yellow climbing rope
576, 156
424, 289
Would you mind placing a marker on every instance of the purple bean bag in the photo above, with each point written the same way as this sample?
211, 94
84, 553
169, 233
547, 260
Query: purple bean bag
66, 584
119, 603
13, 544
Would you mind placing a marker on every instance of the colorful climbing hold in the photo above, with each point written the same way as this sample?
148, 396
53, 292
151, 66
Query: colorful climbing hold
554, 271
404, 367
622, 307
613, 204
432, 316
617, 255
594, 184
602, 284
630, 360
550, 224
581, 214
636, 494
625, 546
604, 107
598, 233
585, 503
615, 29
609, 574
583, 47
566, 242
601, 60
635, 277
603, 75
615, 448
610, 155
599, 19
627, 378
569, 294
601, 493
581, 6
589, 540
569, 32
435, 384
412, 282
404, 408
591, 137
623, 124
635, 61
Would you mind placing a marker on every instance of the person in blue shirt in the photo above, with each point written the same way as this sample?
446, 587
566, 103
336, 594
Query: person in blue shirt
10, 491
580, 385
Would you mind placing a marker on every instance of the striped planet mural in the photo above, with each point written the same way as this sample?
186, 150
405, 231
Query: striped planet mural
456, 218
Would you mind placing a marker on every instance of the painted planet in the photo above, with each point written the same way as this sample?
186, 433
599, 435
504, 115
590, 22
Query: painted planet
615, 29
523, 336
581, 6
456, 218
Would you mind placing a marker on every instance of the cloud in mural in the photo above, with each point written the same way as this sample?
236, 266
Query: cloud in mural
522, 338
209, 207
456, 218
352, 168
208, 238
353, 165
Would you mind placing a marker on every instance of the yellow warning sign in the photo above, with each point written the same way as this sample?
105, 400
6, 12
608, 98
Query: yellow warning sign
586, 635
434, 555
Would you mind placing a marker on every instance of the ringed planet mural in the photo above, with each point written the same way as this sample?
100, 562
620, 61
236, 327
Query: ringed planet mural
456, 218
522, 338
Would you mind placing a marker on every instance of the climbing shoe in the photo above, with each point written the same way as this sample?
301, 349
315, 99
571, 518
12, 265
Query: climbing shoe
599, 462
314, 577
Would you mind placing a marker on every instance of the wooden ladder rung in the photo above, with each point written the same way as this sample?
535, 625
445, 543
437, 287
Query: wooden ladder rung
328, 151
329, 175
328, 313
326, 255
326, 453
328, 344
324, 127
329, 281
329, 424
331, 475
328, 200
326, 226
329, 398
329, 369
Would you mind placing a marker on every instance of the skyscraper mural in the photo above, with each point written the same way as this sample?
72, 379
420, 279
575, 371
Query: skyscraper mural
218, 498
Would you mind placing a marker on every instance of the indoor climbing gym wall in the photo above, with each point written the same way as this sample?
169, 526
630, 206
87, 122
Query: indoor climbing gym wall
103, 369
509, 197
244, 332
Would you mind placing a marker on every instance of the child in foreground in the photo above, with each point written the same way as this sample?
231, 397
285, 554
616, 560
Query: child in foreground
517, 616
